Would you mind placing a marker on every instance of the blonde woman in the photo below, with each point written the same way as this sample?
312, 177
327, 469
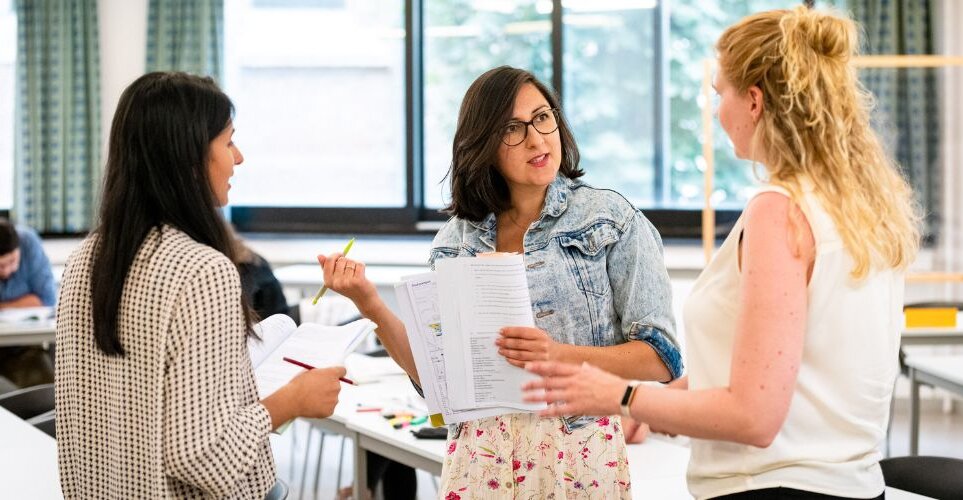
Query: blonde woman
794, 326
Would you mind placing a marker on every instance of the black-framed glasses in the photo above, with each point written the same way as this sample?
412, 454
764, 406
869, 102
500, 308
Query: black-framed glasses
544, 122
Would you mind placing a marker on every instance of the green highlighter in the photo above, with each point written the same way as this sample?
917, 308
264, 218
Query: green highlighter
325, 288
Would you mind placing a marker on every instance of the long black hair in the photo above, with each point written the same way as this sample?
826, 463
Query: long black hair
157, 173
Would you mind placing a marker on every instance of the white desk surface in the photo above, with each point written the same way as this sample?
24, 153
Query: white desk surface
28, 462
391, 394
15, 330
658, 466
946, 367
310, 275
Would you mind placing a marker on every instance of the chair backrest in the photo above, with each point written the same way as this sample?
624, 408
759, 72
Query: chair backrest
45, 422
29, 401
936, 477
278, 492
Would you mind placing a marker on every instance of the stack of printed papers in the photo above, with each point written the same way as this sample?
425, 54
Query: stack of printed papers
452, 317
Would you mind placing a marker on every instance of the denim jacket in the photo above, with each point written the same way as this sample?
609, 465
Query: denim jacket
595, 270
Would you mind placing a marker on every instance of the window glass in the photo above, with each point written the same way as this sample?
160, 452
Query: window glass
319, 88
610, 92
463, 39
8, 54
694, 28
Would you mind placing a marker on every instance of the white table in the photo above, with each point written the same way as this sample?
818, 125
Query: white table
28, 461
28, 326
940, 371
369, 431
658, 466
307, 278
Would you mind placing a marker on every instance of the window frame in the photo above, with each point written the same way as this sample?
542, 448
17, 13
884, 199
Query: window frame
415, 218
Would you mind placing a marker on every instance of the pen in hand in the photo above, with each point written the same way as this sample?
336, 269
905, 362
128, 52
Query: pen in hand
325, 287
309, 367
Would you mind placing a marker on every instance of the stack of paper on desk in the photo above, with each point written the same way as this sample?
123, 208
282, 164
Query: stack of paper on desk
26, 314
453, 317
311, 343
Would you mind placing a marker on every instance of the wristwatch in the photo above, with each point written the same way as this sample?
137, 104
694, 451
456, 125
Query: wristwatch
627, 397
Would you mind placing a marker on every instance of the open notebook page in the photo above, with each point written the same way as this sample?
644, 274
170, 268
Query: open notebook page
311, 343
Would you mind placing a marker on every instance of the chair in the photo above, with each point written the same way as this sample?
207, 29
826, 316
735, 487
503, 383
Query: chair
30, 401
45, 422
277, 492
936, 477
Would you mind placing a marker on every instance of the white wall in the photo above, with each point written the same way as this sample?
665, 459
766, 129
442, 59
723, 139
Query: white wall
123, 52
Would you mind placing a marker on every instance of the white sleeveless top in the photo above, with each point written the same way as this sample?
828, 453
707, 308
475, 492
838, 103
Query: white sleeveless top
838, 415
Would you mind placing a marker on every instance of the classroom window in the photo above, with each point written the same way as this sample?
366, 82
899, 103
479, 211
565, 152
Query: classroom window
8, 54
320, 97
355, 106
610, 95
461, 43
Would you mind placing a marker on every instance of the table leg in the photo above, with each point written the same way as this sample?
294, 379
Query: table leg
914, 413
360, 469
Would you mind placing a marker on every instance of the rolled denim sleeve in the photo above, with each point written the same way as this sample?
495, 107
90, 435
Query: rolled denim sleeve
642, 293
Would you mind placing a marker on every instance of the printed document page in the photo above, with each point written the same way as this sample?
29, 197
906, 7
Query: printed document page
478, 296
418, 300
317, 345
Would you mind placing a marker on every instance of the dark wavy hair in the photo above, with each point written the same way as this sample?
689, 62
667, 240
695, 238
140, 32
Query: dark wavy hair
157, 173
477, 187
9, 239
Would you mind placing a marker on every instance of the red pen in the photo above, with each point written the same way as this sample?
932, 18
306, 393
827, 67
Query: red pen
309, 367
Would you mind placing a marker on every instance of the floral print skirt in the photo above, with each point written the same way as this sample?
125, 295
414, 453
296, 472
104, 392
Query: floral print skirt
523, 456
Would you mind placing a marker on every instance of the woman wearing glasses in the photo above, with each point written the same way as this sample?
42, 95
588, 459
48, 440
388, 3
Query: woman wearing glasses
600, 291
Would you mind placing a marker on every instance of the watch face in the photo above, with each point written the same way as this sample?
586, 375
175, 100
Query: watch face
627, 395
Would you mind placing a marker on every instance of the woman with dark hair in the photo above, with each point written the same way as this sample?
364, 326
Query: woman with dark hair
155, 390
600, 292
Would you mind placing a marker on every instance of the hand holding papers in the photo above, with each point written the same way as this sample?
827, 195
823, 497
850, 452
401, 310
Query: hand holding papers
453, 317
311, 343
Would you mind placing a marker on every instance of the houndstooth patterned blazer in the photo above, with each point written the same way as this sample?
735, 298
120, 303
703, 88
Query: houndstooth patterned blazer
178, 416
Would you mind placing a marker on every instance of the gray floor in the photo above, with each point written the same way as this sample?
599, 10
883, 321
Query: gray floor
941, 434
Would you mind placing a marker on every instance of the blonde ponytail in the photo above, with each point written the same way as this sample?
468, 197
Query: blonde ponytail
816, 126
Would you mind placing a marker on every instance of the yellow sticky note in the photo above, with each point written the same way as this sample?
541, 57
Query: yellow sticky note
437, 420
932, 317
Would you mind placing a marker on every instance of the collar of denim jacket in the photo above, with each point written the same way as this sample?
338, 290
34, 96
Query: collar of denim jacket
556, 201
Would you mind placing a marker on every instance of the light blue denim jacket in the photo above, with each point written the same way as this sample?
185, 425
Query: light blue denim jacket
596, 275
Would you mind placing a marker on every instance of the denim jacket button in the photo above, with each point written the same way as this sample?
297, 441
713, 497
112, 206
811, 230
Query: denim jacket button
536, 265
542, 314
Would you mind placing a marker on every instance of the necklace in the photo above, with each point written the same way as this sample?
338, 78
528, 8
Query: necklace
515, 222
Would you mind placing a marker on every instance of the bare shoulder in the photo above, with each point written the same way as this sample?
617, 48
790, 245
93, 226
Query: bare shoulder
775, 215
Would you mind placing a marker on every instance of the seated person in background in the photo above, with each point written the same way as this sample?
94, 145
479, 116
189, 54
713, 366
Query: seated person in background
25, 281
25, 277
259, 283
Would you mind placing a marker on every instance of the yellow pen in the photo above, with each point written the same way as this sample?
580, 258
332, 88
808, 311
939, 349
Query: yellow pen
325, 288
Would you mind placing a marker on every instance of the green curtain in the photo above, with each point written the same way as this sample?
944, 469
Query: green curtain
186, 35
57, 112
907, 101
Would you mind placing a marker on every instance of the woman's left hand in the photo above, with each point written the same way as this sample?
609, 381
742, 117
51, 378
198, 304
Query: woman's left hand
522, 344
574, 389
